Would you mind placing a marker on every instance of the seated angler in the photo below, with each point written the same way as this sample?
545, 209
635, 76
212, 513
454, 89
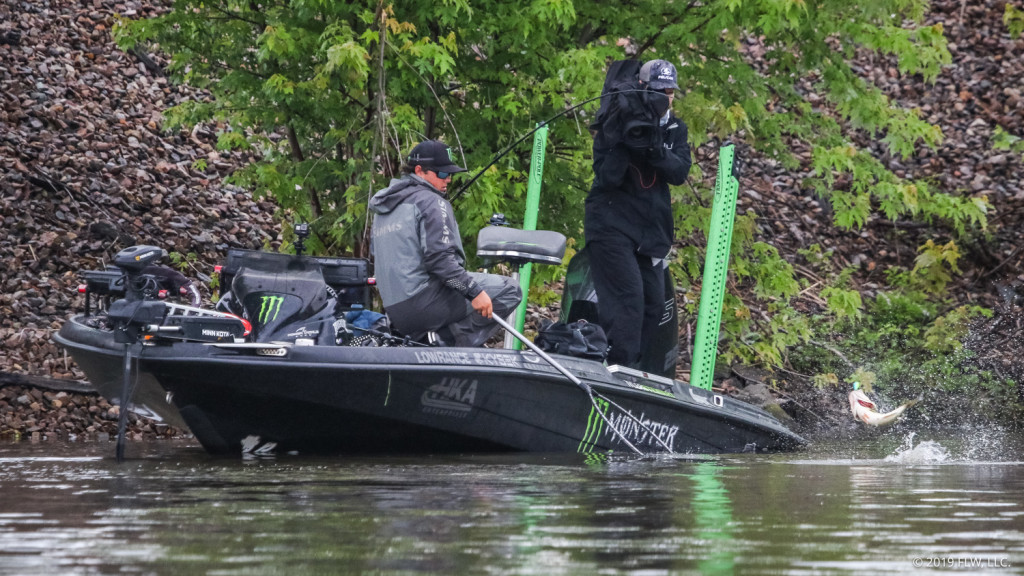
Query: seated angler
419, 261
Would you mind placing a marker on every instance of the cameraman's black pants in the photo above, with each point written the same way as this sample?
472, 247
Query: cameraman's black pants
630, 296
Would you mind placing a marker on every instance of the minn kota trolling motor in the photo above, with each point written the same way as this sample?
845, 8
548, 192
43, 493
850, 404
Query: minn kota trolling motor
128, 315
142, 314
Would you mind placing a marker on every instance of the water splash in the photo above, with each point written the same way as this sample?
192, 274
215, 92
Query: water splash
975, 443
986, 443
926, 452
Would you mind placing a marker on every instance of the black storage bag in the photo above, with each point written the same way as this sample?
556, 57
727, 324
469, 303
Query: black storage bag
580, 338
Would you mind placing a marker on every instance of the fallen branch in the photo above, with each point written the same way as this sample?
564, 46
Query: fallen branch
834, 351
806, 409
148, 62
748, 379
46, 383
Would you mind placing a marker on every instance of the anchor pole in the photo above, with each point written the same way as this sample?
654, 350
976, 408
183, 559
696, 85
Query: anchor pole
716, 269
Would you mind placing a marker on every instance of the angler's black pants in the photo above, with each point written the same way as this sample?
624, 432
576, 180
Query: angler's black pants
630, 296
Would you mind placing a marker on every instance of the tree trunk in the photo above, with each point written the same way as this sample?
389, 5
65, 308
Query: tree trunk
314, 198
429, 116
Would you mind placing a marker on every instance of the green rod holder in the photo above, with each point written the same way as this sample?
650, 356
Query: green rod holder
716, 270
540, 143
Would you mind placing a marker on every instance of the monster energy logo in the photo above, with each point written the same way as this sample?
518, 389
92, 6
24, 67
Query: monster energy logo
595, 425
270, 306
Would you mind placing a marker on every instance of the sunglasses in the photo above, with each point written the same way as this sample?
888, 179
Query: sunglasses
442, 175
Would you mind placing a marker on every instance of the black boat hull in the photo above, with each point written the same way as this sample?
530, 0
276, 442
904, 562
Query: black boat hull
284, 398
318, 399
292, 388
102, 360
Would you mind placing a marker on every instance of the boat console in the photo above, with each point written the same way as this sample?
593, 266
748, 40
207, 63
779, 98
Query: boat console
349, 278
520, 246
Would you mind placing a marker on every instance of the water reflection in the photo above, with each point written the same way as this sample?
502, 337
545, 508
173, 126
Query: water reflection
712, 512
863, 509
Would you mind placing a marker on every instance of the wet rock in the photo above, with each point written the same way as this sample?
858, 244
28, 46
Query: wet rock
49, 415
758, 394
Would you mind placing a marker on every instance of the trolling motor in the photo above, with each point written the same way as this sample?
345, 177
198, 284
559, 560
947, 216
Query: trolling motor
142, 286
129, 315
149, 280
138, 308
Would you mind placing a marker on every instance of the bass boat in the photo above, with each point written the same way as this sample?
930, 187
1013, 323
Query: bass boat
290, 363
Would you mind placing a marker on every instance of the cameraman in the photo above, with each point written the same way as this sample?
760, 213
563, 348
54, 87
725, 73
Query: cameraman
628, 218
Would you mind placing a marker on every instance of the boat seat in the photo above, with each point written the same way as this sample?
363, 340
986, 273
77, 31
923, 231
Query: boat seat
520, 246
274, 298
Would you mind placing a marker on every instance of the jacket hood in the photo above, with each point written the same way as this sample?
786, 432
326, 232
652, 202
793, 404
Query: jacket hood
397, 191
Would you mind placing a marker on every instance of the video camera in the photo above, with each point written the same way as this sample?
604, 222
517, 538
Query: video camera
301, 233
635, 123
629, 113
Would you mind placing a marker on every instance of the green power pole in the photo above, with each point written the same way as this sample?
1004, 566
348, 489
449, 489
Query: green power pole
716, 269
540, 142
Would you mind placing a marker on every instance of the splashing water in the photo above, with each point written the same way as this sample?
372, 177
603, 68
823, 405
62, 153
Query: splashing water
987, 443
927, 452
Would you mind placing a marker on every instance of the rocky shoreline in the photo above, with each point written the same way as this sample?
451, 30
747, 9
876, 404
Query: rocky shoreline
30, 413
86, 169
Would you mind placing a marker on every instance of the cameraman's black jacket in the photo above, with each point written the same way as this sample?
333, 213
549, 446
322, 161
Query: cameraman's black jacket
630, 194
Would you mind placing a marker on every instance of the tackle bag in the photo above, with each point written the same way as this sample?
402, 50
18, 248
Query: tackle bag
579, 302
580, 338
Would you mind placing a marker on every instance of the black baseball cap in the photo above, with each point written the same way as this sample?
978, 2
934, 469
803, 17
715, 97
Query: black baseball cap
434, 155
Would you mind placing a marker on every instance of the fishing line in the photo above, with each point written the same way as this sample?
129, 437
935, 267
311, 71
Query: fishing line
513, 145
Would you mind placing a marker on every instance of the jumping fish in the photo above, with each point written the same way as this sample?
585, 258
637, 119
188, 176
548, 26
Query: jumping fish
865, 410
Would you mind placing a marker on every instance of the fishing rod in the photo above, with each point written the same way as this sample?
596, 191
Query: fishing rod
540, 125
586, 388
520, 140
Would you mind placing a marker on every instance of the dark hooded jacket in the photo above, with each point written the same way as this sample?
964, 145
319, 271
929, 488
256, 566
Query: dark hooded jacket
630, 193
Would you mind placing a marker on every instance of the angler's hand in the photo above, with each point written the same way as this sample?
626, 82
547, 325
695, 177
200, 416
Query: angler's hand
482, 304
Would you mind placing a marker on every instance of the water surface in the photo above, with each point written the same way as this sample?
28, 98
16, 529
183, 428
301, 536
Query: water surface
941, 503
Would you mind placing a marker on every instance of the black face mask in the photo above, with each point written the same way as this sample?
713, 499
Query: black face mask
657, 101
